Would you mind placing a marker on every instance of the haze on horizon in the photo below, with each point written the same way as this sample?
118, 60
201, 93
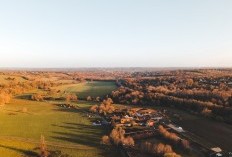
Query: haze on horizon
132, 33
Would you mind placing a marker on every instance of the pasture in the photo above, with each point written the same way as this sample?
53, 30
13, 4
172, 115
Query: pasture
69, 130
93, 89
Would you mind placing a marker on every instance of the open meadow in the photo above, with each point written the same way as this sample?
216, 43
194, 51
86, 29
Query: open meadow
5, 79
68, 130
64, 129
85, 89
82, 118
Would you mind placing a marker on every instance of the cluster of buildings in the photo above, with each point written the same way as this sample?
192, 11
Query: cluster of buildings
131, 117
141, 121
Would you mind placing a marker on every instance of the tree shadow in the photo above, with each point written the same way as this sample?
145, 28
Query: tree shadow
61, 109
24, 96
86, 135
79, 134
14, 112
95, 90
28, 153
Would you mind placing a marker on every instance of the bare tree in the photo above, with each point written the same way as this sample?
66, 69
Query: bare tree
43, 147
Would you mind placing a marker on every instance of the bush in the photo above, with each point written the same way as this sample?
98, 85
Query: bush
106, 140
94, 108
71, 97
37, 97
4, 98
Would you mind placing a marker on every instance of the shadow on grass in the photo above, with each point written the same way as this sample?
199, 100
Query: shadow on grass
13, 112
80, 134
27, 153
25, 96
94, 89
61, 109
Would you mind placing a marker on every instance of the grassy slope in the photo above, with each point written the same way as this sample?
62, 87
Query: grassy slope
3, 78
94, 89
66, 127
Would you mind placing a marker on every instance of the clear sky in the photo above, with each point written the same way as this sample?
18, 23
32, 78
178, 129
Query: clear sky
115, 33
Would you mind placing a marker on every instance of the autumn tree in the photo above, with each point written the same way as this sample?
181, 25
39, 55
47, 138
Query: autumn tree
117, 135
94, 108
106, 140
4, 98
37, 97
71, 97
106, 106
168, 135
189, 82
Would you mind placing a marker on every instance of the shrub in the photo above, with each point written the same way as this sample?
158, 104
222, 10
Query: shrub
71, 97
4, 98
106, 140
94, 108
37, 97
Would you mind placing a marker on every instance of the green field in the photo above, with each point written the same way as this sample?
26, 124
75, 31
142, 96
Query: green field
65, 129
94, 89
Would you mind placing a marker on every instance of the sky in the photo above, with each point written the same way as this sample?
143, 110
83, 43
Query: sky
115, 33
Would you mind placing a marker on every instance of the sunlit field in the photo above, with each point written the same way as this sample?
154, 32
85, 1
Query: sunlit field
23, 121
8, 78
93, 89
66, 129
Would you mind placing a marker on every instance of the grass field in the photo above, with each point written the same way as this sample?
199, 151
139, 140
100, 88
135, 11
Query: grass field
94, 89
68, 130
3, 78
